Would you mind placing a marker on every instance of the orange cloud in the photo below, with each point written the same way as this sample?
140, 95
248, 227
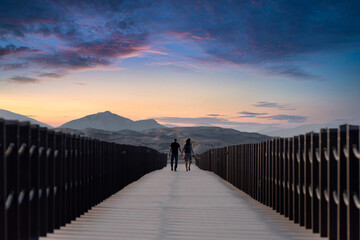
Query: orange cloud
197, 37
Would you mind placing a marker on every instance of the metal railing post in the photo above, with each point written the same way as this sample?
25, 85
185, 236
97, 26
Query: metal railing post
12, 181
339, 156
352, 181
290, 183
295, 173
24, 180
3, 183
50, 180
35, 182
314, 185
331, 183
43, 182
286, 176
59, 179
307, 181
320, 191
313, 179
301, 187
281, 182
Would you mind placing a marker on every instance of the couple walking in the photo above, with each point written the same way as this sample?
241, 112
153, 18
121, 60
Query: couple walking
174, 153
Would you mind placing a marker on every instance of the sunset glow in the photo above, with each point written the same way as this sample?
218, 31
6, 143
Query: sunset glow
247, 65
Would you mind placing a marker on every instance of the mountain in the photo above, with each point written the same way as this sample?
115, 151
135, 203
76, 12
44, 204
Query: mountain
289, 132
110, 122
204, 138
14, 116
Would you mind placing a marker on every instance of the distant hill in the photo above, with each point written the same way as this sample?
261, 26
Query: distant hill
204, 138
289, 132
14, 116
108, 121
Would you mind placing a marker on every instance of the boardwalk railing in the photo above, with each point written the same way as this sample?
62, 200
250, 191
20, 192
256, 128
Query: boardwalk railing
312, 179
48, 178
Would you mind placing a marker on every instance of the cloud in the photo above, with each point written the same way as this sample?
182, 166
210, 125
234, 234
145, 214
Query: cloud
69, 60
256, 33
215, 115
80, 84
267, 32
274, 105
13, 66
23, 80
247, 114
278, 29
12, 49
289, 118
114, 47
292, 72
58, 28
52, 75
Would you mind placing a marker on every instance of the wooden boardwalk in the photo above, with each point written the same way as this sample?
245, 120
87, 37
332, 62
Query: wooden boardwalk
181, 205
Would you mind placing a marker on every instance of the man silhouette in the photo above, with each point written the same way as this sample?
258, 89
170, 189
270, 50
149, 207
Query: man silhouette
174, 153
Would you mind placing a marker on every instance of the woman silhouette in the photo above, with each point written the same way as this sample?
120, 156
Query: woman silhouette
188, 150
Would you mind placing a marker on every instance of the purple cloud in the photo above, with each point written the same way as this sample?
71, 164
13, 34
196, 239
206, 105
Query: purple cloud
114, 47
289, 118
272, 32
246, 114
292, 72
68, 60
23, 80
215, 115
88, 33
52, 75
274, 105
13, 66
12, 49
94, 33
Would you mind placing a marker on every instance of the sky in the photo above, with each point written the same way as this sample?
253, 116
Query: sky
247, 65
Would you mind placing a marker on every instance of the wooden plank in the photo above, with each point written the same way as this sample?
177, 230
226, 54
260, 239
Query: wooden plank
181, 205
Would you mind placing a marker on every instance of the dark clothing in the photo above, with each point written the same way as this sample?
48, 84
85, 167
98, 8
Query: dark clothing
187, 148
176, 156
174, 147
188, 156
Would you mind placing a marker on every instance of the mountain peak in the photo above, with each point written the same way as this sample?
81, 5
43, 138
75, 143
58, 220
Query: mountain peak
109, 121
102, 113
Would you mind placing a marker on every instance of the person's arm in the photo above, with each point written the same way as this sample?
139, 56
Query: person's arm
170, 151
180, 150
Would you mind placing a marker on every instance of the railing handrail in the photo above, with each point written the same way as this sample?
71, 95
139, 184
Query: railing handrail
324, 193
48, 178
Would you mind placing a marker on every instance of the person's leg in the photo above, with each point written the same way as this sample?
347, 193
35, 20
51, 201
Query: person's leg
176, 161
172, 161
186, 164
189, 161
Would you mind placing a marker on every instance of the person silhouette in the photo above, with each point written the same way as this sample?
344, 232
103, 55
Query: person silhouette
188, 153
174, 153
